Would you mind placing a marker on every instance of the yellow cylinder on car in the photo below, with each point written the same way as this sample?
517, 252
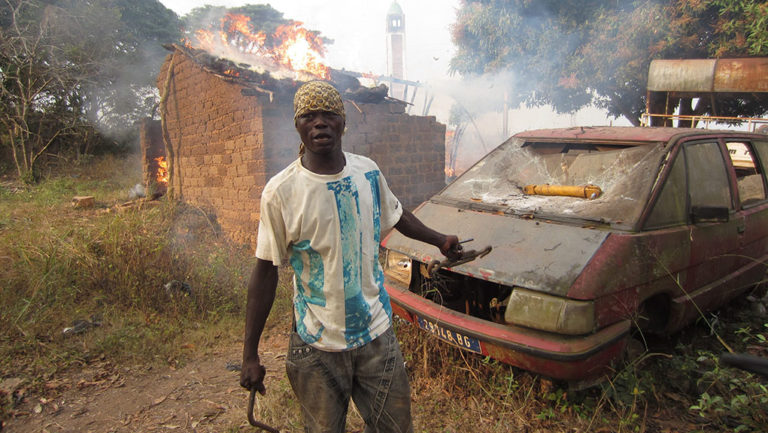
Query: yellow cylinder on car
585, 191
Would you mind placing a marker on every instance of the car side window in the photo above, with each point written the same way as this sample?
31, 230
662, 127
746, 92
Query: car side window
707, 176
670, 207
748, 174
761, 148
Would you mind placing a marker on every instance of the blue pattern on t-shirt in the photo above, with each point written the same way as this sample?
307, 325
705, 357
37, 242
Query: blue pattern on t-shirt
357, 311
315, 286
373, 179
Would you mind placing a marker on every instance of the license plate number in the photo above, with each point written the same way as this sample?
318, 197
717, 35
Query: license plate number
455, 338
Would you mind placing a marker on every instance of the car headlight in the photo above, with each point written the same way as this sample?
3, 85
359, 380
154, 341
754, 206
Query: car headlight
398, 266
550, 313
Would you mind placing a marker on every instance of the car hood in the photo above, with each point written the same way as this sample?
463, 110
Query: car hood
530, 253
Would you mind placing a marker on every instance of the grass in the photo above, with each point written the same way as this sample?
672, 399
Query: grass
675, 384
59, 264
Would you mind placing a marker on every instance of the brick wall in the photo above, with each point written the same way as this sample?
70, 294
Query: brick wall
410, 150
227, 145
218, 141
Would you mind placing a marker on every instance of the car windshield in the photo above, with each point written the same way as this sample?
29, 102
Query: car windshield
624, 174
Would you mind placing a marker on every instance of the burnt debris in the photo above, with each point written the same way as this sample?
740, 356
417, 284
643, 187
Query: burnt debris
259, 83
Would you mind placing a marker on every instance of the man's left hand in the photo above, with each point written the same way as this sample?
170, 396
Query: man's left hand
451, 247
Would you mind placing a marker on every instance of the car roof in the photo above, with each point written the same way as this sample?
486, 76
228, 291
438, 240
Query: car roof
617, 134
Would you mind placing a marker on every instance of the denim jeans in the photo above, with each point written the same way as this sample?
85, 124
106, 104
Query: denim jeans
372, 375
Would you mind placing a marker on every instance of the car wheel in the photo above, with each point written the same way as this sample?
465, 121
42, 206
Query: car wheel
653, 314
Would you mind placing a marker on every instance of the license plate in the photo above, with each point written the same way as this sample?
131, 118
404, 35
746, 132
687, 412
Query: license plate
452, 337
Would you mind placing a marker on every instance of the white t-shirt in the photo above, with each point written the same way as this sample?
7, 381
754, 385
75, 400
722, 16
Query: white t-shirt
329, 228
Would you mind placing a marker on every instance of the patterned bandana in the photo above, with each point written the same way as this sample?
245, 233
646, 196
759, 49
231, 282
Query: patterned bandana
317, 96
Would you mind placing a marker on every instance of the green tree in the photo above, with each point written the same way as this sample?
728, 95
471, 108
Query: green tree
148, 21
73, 69
613, 58
741, 26
713, 29
571, 54
35, 81
120, 43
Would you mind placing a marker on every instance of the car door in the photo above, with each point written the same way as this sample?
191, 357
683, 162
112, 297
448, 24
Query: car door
699, 212
715, 229
714, 226
748, 160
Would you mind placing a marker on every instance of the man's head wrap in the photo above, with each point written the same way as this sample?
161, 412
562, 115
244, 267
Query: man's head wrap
317, 96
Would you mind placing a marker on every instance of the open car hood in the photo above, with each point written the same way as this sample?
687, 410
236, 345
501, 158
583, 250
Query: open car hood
534, 254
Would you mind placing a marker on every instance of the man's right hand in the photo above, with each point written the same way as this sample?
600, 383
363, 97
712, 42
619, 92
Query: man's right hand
252, 376
261, 295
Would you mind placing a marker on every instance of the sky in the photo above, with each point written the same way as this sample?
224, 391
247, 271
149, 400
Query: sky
357, 28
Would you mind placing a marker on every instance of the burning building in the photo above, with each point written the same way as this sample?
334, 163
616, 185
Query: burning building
227, 127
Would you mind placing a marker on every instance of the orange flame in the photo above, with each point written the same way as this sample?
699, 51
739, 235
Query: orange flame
300, 50
291, 47
205, 37
162, 170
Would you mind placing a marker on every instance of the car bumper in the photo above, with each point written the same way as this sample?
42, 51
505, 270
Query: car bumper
564, 357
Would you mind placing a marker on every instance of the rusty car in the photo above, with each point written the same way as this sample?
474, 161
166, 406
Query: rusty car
593, 234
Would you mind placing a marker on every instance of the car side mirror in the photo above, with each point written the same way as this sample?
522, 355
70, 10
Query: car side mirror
701, 214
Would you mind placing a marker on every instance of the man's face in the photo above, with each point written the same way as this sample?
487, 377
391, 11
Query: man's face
320, 131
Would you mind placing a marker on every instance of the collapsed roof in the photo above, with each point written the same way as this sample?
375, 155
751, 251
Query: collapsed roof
257, 81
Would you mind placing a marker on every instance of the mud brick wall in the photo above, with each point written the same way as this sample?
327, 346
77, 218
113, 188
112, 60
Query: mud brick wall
218, 144
227, 145
410, 150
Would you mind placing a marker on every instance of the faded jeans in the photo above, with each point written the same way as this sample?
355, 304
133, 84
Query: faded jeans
373, 375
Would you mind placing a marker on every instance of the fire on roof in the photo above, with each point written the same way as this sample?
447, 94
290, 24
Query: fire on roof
257, 81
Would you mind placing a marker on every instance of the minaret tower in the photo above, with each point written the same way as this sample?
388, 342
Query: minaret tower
396, 49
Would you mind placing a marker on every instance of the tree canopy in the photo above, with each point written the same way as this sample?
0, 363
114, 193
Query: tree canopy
574, 53
263, 17
76, 71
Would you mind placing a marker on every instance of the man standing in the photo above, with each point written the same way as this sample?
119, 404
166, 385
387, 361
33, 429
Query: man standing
325, 214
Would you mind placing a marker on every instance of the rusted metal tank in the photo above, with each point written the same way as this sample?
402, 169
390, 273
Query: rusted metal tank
709, 75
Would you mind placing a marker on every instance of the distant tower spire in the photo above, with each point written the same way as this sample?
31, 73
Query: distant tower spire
396, 48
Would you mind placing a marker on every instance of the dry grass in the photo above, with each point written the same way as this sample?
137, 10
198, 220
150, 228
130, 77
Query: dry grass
59, 264
456, 391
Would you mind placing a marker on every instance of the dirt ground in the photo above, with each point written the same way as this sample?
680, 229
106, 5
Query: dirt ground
202, 395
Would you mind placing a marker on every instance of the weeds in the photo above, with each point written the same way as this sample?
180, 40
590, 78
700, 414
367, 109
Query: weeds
669, 387
456, 391
59, 264
733, 400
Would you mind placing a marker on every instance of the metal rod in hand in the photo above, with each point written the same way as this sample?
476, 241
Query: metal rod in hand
466, 256
252, 420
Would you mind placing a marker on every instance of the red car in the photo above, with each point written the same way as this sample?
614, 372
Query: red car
596, 233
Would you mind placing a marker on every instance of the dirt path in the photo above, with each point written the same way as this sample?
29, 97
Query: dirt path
202, 395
